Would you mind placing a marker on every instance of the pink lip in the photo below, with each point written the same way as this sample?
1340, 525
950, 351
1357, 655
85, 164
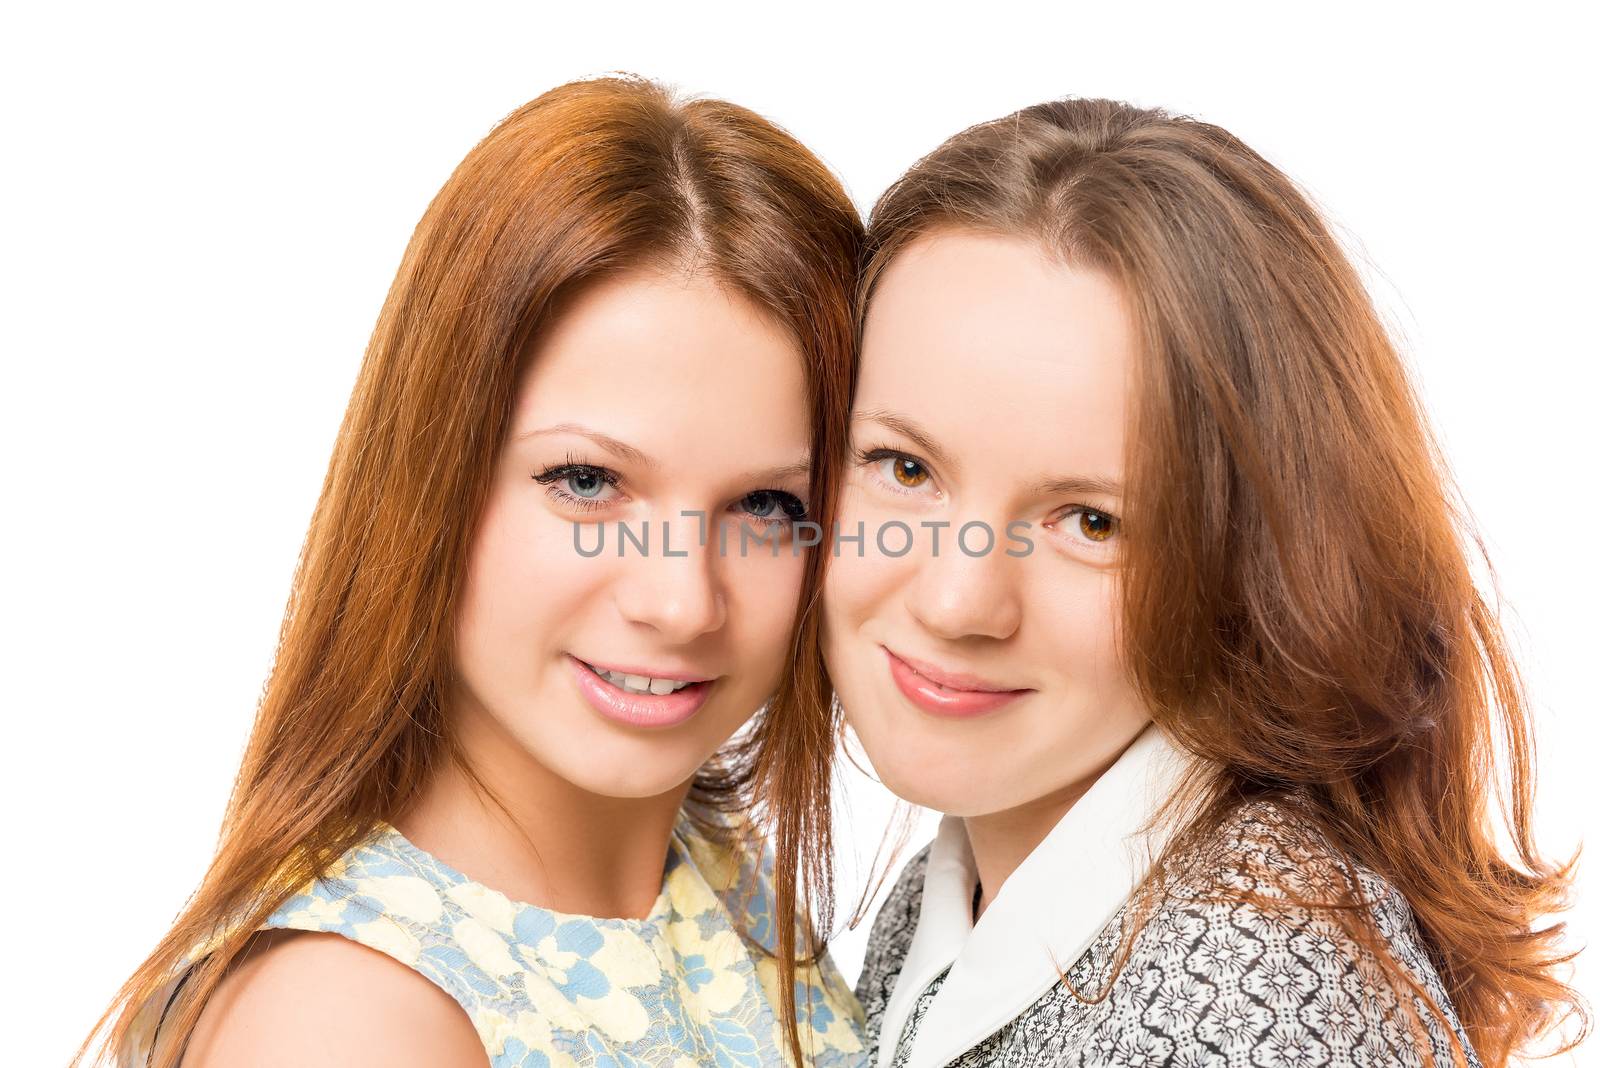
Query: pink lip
639, 709
947, 693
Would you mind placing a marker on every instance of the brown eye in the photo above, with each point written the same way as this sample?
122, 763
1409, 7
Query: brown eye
1096, 526
904, 472
909, 473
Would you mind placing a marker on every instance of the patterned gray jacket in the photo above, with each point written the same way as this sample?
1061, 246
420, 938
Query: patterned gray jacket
1207, 981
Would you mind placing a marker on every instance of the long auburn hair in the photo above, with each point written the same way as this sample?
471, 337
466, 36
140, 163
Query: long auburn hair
590, 178
1297, 598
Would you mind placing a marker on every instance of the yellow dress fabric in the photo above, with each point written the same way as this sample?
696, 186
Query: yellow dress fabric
694, 983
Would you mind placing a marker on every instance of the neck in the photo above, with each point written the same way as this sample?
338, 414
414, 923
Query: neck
547, 842
1001, 841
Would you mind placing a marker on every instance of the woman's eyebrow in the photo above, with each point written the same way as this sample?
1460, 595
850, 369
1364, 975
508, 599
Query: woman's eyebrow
605, 441
798, 469
910, 428
1070, 484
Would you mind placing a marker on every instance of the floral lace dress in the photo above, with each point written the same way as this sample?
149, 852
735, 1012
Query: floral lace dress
693, 983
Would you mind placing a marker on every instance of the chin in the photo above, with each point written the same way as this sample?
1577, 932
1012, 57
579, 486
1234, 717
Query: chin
631, 779
950, 782
947, 798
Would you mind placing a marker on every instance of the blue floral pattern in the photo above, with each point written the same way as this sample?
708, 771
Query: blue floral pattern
688, 985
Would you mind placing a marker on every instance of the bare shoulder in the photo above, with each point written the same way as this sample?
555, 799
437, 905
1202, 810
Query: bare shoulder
311, 1000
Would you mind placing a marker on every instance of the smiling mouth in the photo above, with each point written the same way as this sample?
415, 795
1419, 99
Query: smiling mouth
954, 682
637, 699
640, 684
945, 693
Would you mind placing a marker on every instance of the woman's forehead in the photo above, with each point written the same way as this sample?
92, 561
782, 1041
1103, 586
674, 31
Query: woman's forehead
986, 341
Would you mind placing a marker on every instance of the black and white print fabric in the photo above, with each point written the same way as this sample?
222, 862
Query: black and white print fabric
1209, 982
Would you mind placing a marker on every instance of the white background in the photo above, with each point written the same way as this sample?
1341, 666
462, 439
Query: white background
204, 207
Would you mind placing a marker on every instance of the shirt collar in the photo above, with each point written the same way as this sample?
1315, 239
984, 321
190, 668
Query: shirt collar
1045, 915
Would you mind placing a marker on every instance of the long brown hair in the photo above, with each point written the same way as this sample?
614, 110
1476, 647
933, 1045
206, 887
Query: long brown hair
592, 177
1297, 597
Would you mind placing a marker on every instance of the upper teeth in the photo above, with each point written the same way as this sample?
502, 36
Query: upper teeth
640, 683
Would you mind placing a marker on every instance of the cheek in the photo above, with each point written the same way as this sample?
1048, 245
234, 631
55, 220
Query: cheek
1079, 614
860, 578
863, 606
523, 578
856, 589
763, 594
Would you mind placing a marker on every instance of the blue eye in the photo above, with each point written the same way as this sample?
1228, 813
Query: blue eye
585, 483
579, 485
773, 506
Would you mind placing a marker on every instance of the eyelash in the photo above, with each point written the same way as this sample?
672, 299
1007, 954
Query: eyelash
1116, 523
867, 457
551, 479
872, 455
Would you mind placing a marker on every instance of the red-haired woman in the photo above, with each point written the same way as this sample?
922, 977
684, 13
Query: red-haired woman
1164, 601
490, 812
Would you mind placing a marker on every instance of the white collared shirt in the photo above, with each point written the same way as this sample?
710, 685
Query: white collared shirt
1043, 918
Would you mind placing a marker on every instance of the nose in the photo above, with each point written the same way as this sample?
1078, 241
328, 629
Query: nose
678, 596
956, 595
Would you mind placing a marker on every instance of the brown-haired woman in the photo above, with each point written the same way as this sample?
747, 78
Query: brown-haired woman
490, 811
1197, 671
